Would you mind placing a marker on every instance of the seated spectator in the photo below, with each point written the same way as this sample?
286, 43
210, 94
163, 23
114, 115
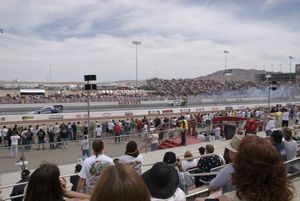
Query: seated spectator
120, 182
289, 144
19, 190
185, 179
45, 184
163, 183
132, 157
189, 163
201, 151
259, 173
276, 139
74, 179
205, 164
223, 179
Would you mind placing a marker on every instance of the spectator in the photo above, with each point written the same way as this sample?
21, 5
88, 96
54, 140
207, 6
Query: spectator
223, 179
259, 173
189, 163
41, 138
205, 164
154, 141
276, 139
270, 126
19, 189
93, 167
120, 183
201, 151
98, 131
74, 179
132, 157
163, 183
290, 145
45, 184
85, 147
14, 145
285, 118
185, 179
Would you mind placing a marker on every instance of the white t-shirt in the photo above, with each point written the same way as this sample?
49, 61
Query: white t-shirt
85, 145
135, 162
14, 139
4, 132
92, 168
285, 116
154, 138
179, 195
189, 164
98, 131
270, 125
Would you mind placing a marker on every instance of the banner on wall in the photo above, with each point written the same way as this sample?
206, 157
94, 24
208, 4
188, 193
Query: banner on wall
128, 114
130, 102
214, 109
200, 109
2, 119
167, 111
27, 117
56, 116
153, 112
185, 110
106, 114
78, 116
229, 108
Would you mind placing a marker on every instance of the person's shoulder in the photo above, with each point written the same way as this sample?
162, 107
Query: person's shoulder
105, 157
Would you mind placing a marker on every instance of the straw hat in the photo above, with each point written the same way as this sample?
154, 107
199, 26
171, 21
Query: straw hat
234, 143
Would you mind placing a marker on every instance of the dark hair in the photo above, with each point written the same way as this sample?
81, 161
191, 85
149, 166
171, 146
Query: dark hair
201, 150
132, 149
78, 168
277, 136
44, 184
259, 173
120, 183
97, 146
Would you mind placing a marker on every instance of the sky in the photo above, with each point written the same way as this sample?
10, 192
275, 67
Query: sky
63, 40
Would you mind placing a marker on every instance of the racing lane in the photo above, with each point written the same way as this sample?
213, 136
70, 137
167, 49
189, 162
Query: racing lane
98, 108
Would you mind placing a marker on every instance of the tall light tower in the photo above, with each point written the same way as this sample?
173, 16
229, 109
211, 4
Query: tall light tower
136, 43
225, 71
290, 57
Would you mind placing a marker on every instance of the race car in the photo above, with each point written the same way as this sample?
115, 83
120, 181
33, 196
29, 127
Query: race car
48, 110
178, 103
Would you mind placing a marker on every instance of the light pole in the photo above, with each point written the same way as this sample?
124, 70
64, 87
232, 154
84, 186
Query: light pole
225, 73
290, 57
136, 43
50, 73
226, 52
268, 76
88, 87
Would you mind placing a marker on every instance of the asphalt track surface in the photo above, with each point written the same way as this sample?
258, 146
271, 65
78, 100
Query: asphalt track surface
98, 108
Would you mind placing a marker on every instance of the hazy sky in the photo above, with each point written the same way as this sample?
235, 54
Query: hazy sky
180, 38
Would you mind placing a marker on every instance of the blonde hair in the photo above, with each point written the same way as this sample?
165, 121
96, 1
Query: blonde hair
120, 183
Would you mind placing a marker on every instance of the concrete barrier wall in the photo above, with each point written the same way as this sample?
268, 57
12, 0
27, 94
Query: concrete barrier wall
6, 119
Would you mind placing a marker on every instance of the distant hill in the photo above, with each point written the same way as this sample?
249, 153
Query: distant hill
237, 74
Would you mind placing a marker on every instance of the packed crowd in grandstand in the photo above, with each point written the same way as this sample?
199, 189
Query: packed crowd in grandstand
159, 89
